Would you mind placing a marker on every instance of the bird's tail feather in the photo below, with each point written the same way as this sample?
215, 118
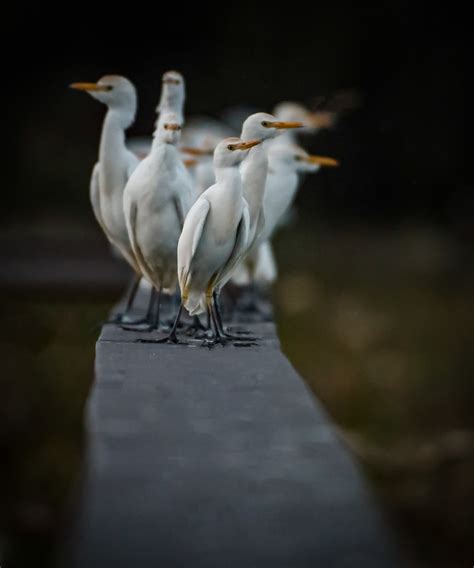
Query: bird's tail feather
195, 303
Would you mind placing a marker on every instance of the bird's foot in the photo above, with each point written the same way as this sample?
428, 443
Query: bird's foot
140, 326
237, 330
241, 337
212, 339
171, 338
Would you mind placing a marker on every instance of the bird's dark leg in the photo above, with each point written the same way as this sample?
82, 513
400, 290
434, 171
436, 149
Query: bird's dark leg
147, 323
156, 320
228, 332
217, 309
131, 294
175, 301
213, 336
171, 337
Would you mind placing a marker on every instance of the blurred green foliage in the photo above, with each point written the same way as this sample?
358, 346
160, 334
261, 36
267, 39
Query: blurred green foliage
381, 328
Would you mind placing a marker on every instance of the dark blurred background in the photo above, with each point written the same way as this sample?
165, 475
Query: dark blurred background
375, 295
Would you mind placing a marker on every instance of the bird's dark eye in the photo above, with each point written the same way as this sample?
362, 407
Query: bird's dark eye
166, 127
108, 87
298, 158
265, 124
230, 147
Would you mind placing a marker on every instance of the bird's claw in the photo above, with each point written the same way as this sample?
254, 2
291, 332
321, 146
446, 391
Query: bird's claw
247, 338
143, 327
172, 338
246, 344
238, 331
211, 341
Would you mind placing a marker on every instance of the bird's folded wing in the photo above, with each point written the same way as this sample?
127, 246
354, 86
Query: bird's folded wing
136, 256
191, 235
240, 247
95, 197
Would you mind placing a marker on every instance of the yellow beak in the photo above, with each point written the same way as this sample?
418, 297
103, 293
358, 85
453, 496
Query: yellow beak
88, 87
321, 161
279, 124
196, 151
322, 119
246, 145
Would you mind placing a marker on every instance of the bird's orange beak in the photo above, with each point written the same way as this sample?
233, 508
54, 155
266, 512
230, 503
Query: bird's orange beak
173, 126
321, 161
196, 151
88, 87
246, 145
286, 124
189, 162
322, 119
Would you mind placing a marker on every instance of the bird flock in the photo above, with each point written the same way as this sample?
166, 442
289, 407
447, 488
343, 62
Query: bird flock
195, 207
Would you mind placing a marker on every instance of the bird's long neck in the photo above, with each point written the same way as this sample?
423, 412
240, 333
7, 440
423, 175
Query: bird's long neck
286, 138
166, 156
113, 151
254, 176
171, 102
230, 177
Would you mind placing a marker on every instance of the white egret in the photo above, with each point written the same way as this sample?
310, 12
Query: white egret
258, 126
116, 164
156, 201
264, 127
214, 236
173, 95
172, 99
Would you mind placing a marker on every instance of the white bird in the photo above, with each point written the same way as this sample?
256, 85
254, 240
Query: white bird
172, 99
156, 201
261, 267
116, 163
254, 170
258, 126
214, 236
173, 95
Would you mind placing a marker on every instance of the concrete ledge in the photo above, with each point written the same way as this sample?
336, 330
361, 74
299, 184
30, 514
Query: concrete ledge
217, 458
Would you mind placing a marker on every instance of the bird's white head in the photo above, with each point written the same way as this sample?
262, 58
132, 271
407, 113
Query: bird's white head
168, 130
172, 93
231, 151
115, 91
263, 126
